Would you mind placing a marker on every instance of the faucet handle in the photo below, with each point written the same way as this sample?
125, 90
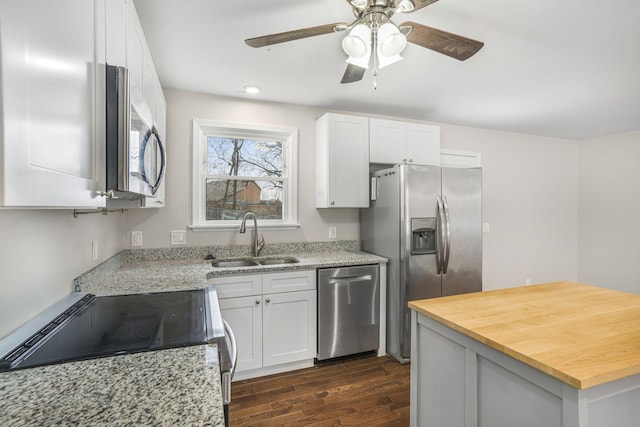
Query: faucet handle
260, 245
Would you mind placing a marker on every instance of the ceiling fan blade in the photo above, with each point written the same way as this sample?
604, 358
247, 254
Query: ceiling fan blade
295, 34
449, 44
419, 4
353, 73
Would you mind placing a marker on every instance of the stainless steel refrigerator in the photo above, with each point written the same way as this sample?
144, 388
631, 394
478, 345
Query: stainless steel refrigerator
427, 221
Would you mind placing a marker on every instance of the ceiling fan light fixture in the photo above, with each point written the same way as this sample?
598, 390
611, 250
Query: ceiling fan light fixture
383, 61
359, 4
391, 42
405, 6
358, 43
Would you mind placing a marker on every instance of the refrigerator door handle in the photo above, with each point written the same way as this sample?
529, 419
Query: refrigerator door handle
440, 242
447, 236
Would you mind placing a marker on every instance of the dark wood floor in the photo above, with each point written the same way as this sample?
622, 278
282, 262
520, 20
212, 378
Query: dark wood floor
362, 390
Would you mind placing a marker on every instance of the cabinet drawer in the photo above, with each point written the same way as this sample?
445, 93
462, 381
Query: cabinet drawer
237, 286
289, 281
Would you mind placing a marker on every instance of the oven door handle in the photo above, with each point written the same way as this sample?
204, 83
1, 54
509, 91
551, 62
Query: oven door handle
234, 346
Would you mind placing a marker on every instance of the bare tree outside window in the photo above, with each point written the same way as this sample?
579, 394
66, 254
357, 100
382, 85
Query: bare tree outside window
244, 175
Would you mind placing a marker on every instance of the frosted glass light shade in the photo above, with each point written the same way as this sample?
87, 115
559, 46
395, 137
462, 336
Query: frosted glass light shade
391, 41
358, 42
358, 45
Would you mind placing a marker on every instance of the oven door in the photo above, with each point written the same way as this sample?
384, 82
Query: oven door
227, 375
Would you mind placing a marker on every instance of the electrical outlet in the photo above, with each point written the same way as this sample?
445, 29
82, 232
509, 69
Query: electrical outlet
178, 237
136, 238
527, 281
94, 250
486, 227
332, 231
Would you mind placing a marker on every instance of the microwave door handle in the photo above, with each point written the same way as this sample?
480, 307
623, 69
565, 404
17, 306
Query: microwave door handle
153, 133
163, 162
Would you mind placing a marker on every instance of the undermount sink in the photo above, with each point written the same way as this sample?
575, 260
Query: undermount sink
276, 261
253, 262
234, 263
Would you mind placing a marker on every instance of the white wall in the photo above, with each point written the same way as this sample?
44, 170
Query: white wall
530, 190
182, 107
609, 206
41, 251
530, 202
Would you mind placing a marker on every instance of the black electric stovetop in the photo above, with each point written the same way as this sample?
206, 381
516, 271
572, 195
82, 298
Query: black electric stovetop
105, 326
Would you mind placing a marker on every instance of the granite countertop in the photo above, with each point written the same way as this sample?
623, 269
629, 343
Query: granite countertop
170, 269
582, 335
179, 386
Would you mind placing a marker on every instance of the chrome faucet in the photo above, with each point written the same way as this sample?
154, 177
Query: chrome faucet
255, 246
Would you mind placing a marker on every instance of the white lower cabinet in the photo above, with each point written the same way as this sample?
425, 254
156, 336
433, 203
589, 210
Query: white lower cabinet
288, 327
273, 317
244, 314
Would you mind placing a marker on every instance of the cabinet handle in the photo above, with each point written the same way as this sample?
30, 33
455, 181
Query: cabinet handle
267, 300
410, 160
333, 203
257, 302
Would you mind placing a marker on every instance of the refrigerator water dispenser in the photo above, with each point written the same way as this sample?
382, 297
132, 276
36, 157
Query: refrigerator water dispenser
423, 236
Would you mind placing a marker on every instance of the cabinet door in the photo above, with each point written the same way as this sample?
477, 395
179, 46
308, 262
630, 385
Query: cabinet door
387, 141
423, 144
342, 156
289, 327
116, 32
49, 68
135, 54
244, 315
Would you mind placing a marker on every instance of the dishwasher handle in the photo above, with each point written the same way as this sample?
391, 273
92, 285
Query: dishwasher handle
350, 279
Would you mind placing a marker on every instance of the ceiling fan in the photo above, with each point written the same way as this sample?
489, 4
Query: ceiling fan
373, 34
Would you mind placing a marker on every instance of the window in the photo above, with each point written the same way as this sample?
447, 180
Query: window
240, 168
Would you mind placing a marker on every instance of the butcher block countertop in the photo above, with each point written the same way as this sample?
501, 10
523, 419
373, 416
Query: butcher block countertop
582, 335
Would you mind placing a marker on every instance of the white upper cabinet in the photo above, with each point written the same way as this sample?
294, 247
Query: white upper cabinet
342, 161
116, 32
392, 142
49, 71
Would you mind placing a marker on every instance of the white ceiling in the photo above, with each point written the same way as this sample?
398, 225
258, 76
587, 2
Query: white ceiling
561, 68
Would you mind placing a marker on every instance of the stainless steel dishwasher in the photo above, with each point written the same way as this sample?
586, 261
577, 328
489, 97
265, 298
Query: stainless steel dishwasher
348, 310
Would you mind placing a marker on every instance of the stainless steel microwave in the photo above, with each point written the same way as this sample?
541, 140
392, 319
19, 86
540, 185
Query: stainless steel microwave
136, 158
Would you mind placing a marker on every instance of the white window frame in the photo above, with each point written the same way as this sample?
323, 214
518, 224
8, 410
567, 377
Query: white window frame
202, 128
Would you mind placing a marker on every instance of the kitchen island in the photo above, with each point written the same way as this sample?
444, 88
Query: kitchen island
556, 354
179, 386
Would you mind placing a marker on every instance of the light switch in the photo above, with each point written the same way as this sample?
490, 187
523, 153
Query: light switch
485, 227
332, 232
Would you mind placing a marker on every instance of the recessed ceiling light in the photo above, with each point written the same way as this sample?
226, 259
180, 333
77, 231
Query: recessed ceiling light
251, 89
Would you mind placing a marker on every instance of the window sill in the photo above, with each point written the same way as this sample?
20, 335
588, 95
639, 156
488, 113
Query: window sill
235, 226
